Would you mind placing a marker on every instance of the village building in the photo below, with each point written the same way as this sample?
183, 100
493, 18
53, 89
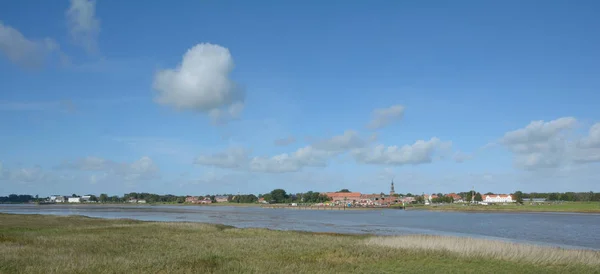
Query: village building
344, 197
455, 197
221, 199
497, 198
74, 200
192, 199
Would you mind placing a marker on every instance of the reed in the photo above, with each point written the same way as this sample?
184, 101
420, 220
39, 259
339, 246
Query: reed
482, 248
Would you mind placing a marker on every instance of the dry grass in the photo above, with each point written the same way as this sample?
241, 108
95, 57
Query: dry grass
52, 244
470, 247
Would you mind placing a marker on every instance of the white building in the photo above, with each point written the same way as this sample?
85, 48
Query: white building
497, 198
74, 200
86, 198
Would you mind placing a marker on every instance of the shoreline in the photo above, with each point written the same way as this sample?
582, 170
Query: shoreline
447, 208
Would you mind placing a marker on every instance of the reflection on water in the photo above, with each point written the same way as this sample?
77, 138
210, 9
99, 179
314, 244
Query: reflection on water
567, 230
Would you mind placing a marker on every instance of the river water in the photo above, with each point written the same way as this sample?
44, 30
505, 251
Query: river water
569, 230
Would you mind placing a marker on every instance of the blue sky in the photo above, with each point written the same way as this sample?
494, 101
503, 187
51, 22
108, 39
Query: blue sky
237, 96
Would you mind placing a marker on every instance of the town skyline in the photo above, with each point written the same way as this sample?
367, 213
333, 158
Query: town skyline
248, 97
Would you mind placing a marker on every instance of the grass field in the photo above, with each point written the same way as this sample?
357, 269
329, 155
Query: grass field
53, 244
578, 207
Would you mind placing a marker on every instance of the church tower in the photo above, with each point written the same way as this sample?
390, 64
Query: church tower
392, 192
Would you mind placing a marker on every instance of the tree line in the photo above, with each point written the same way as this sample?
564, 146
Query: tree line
280, 196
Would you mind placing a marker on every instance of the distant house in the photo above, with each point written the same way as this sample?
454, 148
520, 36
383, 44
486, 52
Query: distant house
58, 199
192, 199
344, 197
86, 198
132, 200
455, 197
497, 198
221, 199
141, 201
74, 200
407, 200
262, 201
206, 200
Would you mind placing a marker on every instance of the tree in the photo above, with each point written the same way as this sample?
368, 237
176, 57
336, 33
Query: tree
478, 197
345, 190
279, 195
93, 198
518, 196
468, 196
103, 198
74, 195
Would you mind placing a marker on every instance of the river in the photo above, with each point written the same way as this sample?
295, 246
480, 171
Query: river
568, 230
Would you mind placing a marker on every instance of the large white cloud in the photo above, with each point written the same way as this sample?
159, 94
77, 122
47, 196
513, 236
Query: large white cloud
201, 83
552, 145
22, 51
540, 144
384, 116
83, 24
420, 152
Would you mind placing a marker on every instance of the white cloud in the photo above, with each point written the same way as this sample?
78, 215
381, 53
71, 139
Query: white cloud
418, 153
384, 116
587, 149
22, 51
83, 24
303, 157
593, 138
238, 158
23, 174
341, 143
201, 83
540, 144
285, 141
142, 169
232, 158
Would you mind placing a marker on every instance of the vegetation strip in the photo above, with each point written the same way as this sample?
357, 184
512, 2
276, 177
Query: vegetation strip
54, 244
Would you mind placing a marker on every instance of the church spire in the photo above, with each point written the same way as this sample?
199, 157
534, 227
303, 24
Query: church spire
392, 191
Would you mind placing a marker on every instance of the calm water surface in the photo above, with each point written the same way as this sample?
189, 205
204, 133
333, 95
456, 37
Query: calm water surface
557, 229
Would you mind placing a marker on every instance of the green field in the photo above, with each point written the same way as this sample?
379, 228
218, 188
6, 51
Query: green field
580, 207
52, 244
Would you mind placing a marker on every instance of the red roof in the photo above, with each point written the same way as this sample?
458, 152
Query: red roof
343, 194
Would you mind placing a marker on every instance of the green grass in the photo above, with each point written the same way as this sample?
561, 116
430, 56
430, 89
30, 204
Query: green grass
52, 244
578, 207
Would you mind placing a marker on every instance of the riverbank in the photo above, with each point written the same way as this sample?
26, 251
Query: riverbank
53, 244
566, 207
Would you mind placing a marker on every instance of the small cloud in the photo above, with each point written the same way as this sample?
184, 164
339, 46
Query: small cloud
25, 52
341, 143
285, 141
385, 116
83, 24
201, 83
